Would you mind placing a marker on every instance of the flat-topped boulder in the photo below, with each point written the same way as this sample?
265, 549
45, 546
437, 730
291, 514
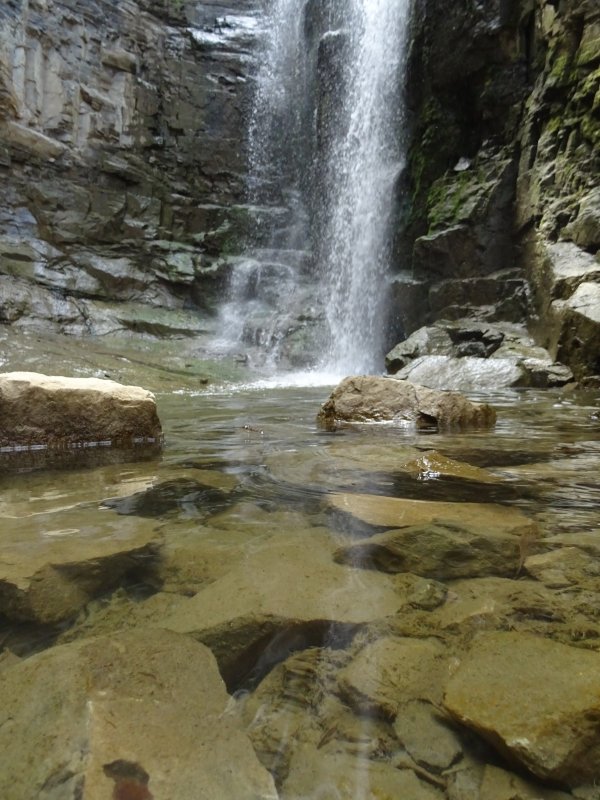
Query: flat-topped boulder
289, 593
54, 411
131, 715
535, 700
369, 398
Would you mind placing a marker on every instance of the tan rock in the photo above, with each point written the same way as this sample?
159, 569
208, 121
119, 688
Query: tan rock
80, 720
290, 593
393, 671
536, 701
374, 399
498, 784
318, 776
50, 568
339, 465
427, 738
436, 550
397, 512
42, 410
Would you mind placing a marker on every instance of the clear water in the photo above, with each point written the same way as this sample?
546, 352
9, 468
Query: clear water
245, 474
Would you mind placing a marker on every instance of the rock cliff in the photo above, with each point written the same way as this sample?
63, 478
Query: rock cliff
504, 220
122, 157
123, 154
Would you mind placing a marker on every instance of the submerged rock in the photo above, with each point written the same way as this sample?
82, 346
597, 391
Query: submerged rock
56, 411
437, 550
368, 398
315, 775
392, 672
398, 512
138, 714
339, 466
284, 596
48, 575
498, 784
428, 739
536, 701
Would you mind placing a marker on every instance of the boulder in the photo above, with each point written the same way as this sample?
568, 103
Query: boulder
585, 229
133, 715
427, 737
536, 701
286, 595
441, 550
50, 567
466, 354
375, 399
392, 672
578, 323
398, 512
467, 374
315, 775
56, 411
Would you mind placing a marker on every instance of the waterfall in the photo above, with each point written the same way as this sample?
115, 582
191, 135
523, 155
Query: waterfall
325, 154
363, 164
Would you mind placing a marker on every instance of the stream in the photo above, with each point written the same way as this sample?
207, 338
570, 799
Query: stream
240, 512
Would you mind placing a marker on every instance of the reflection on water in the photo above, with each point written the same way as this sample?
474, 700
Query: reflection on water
227, 537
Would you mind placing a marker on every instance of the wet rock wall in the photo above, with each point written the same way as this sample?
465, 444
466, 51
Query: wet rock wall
503, 221
122, 156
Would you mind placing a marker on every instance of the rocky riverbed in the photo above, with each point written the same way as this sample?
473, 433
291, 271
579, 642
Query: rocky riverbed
268, 609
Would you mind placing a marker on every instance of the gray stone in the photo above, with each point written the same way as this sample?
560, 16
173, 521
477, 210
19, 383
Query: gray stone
585, 229
578, 319
462, 374
451, 355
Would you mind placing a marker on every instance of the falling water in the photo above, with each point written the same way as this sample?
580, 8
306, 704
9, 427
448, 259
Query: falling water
325, 156
363, 164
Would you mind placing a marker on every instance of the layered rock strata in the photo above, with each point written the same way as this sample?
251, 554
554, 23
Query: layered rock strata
503, 172
122, 156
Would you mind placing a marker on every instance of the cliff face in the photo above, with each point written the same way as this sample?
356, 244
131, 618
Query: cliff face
123, 151
504, 221
122, 157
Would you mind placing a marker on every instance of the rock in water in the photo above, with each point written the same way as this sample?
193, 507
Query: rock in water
367, 398
536, 701
55, 411
136, 715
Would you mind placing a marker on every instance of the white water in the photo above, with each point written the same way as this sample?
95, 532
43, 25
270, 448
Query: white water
330, 170
364, 163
